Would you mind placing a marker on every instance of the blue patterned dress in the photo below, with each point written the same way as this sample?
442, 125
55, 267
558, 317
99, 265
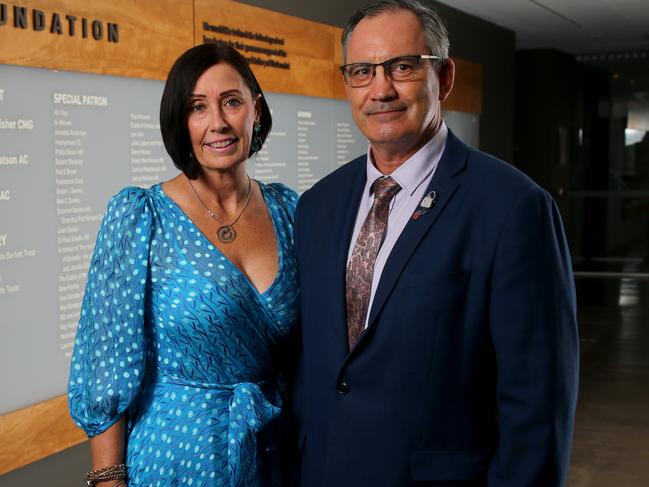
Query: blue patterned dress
172, 333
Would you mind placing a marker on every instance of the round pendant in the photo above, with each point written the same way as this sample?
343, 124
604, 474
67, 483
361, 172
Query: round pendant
226, 234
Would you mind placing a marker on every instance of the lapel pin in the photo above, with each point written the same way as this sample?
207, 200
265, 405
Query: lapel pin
429, 200
426, 204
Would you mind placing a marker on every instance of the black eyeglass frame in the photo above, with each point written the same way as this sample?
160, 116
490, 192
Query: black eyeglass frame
387, 65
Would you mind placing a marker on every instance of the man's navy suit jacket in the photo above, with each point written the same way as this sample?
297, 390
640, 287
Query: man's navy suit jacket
467, 373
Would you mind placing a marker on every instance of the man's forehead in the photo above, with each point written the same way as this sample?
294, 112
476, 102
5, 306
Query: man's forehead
386, 35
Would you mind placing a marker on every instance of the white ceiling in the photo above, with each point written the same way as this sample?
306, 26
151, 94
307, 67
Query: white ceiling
572, 26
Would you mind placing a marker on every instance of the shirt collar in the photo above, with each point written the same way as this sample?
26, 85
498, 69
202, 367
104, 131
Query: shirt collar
415, 170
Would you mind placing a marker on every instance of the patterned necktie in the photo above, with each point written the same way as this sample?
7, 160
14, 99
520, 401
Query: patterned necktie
361, 265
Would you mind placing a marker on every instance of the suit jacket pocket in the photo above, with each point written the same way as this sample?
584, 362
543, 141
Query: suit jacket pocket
432, 466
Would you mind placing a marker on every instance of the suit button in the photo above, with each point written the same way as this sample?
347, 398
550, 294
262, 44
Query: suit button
343, 387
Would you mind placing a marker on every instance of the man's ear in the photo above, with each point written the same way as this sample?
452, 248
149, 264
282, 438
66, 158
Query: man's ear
446, 78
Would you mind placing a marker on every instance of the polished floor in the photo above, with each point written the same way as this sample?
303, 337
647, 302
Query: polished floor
611, 439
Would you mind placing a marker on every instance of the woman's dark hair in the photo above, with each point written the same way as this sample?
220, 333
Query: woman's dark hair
175, 103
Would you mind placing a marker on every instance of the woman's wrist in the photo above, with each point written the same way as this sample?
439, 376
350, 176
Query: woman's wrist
106, 476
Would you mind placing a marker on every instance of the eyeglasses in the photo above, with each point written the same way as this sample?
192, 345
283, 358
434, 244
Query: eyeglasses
402, 68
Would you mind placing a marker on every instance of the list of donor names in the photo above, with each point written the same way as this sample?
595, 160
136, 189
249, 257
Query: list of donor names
68, 142
148, 161
76, 216
14, 248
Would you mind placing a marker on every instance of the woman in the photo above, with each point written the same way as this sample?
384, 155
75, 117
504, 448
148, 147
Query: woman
191, 294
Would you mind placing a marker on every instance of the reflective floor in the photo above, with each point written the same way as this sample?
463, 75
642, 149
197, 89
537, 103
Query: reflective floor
611, 440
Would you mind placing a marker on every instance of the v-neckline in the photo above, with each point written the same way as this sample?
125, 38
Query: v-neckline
240, 272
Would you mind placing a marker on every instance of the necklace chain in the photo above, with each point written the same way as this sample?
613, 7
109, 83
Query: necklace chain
225, 233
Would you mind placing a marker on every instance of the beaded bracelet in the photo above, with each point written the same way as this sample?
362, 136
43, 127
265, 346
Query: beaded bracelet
112, 472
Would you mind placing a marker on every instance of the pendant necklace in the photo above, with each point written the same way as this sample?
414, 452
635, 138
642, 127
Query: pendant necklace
226, 232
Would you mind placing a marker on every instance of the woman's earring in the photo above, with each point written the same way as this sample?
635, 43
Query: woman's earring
256, 139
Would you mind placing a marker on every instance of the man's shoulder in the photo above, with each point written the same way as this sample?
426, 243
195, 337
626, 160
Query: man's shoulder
496, 177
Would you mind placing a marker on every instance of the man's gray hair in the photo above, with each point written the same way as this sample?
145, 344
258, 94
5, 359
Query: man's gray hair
434, 28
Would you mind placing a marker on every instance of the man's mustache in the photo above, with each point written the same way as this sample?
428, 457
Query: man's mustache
384, 107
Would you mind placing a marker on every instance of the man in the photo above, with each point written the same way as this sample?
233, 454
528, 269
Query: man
438, 307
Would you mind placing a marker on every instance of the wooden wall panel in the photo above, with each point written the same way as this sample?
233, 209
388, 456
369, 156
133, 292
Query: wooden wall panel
35, 432
152, 33
467, 92
309, 45
339, 84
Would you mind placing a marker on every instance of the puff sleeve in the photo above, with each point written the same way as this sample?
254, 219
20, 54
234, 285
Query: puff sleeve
109, 352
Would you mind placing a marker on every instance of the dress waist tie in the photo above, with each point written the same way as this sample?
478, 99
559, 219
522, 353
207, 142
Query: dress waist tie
250, 413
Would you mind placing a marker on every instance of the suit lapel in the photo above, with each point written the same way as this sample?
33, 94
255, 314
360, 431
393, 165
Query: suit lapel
445, 182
